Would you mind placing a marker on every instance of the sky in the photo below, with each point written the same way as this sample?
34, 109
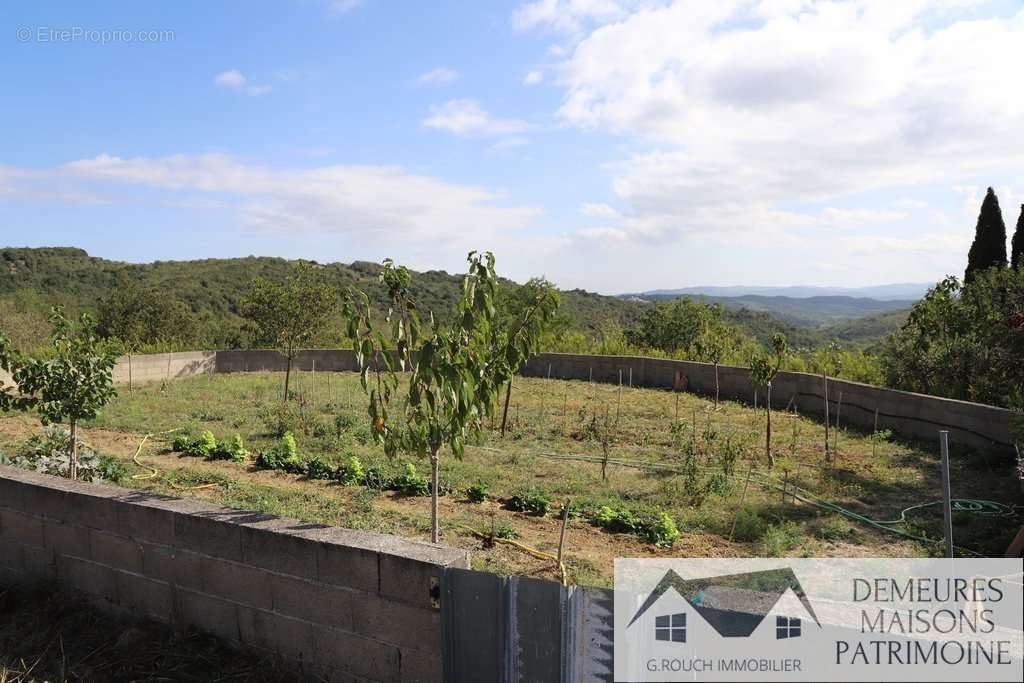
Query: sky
613, 145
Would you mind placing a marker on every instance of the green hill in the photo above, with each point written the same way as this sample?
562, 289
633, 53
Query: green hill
33, 279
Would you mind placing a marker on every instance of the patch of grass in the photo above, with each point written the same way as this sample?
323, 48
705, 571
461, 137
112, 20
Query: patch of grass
779, 539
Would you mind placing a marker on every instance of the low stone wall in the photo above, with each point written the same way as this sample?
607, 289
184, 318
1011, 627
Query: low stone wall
338, 603
905, 413
161, 367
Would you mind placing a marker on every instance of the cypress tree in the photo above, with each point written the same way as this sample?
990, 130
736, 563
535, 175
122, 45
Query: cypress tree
1017, 247
989, 247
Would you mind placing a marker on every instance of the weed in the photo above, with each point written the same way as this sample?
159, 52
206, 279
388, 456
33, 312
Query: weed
749, 526
412, 483
318, 468
477, 493
779, 539
530, 501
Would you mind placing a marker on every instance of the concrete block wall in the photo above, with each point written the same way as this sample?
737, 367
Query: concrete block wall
159, 367
907, 414
340, 604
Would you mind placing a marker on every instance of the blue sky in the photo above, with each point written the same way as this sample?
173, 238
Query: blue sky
615, 146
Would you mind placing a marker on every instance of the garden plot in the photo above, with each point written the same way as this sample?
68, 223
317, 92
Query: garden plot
644, 473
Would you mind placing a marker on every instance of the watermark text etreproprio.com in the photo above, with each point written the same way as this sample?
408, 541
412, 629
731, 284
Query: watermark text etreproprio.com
84, 34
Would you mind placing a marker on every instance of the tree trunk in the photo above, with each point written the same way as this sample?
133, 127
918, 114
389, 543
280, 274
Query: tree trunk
504, 413
287, 376
73, 451
768, 433
716, 385
435, 534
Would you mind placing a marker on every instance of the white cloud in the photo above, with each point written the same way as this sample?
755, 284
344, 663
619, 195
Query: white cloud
742, 108
466, 116
566, 16
533, 77
230, 79
442, 75
360, 202
597, 210
338, 7
510, 142
234, 80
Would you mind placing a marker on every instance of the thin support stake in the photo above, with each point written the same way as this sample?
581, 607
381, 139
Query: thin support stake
947, 505
743, 498
561, 535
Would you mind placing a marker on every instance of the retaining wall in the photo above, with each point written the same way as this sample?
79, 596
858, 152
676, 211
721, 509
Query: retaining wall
338, 603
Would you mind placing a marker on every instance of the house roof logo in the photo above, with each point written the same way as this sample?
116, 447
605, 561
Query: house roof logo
733, 604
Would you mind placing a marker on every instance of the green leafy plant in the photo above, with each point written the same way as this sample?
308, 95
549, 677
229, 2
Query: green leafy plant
284, 457
48, 453
72, 384
763, 370
749, 525
531, 501
318, 468
412, 483
376, 478
663, 532
779, 539
455, 370
351, 473
477, 493
206, 445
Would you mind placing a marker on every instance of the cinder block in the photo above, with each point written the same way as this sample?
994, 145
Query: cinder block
346, 566
11, 490
92, 579
286, 636
208, 533
140, 516
115, 551
145, 598
315, 602
22, 528
63, 538
38, 563
420, 667
11, 556
408, 580
206, 613
237, 582
275, 544
356, 655
173, 566
398, 623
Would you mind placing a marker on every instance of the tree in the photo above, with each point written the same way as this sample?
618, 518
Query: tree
138, 316
512, 304
71, 385
456, 370
287, 315
763, 369
673, 326
714, 340
963, 342
1017, 246
989, 247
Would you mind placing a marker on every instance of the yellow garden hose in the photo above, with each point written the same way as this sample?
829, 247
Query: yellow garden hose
522, 546
154, 472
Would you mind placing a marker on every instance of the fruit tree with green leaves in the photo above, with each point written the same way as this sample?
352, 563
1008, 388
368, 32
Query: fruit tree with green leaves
455, 370
288, 315
73, 383
763, 370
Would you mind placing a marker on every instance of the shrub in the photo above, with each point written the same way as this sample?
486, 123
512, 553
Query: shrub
412, 483
182, 443
283, 418
318, 468
377, 479
618, 520
285, 457
779, 539
749, 526
531, 502
110, 469
503, 529
351, 473
663, 532
477, 493
233, 450
48, 453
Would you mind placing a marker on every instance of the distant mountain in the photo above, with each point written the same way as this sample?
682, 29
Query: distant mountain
899, 291
813, 311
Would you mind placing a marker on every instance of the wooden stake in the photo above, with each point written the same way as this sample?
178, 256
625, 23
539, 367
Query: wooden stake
874, 436
630, 376
824, 379
677, 405
618, 400
835, 438
565, 407
743, 497
561, 535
